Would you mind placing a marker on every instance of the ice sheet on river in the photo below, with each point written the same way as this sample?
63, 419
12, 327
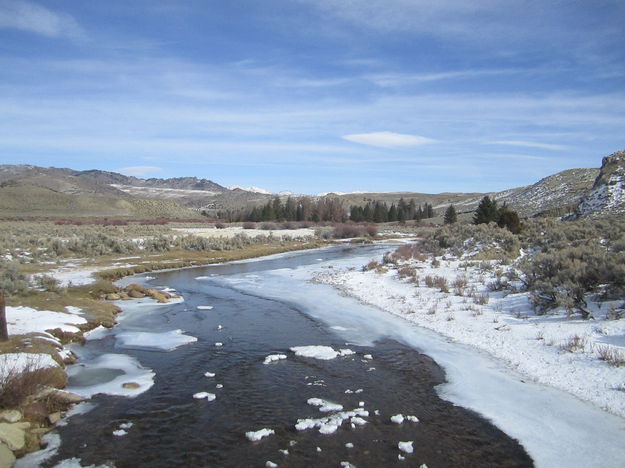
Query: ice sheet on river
165, 341
112, 374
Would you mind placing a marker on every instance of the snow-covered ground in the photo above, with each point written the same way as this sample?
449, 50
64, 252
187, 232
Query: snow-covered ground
550, 349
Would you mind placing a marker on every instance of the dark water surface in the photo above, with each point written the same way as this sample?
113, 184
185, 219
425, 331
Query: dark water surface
170, 428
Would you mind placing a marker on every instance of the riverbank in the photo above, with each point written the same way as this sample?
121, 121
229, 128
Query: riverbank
456, 298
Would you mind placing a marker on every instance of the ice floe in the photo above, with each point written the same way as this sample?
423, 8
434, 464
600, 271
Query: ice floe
270, 464
405, 447
273, 358
165, 341
204, 396
204, 307
324, 405
330, 424
315, 352
257, 435
209, 374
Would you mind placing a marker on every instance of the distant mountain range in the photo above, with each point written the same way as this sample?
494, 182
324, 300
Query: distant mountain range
36, 191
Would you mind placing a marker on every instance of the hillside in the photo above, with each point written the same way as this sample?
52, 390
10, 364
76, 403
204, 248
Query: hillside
607, 196
36, 191
556, 195
51, 192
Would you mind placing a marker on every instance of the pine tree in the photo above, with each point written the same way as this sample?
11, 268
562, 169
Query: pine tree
450, 215
486, 212
392, 213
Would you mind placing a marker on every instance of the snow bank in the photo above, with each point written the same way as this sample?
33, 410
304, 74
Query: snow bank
166, 341
22, 320
505, 327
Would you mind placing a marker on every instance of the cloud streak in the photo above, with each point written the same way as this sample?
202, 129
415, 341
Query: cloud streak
387, 139
34, 18
530, 144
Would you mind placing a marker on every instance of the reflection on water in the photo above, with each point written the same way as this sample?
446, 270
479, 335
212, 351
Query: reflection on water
171, 428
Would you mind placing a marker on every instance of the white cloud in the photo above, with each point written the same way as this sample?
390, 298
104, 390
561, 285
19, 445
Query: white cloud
387, 139
140, 171
27, 16
529, 144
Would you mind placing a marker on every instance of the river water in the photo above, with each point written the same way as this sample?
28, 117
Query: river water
240, 314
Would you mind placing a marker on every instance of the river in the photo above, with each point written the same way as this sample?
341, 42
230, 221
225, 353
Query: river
243, 312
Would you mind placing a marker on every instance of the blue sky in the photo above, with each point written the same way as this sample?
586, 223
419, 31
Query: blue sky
315, 95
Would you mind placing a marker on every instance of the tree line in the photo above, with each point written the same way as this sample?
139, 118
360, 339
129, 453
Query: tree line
292, 209
380, 212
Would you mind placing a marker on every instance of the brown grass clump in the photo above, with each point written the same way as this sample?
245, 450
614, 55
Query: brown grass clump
16, 386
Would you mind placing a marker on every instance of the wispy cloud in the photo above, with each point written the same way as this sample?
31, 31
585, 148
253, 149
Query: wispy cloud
387, 139
529, 144
140, 171
34, 18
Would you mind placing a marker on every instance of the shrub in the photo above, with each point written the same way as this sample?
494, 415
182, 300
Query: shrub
612, 356
249, 225
47, 283
220, 226
11, 280
573, 343
459, 285
372, 265
269, 226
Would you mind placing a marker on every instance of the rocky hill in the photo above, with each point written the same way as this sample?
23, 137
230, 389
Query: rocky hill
556, 195
607, 196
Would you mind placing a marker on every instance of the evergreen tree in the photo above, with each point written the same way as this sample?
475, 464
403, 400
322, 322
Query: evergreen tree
392, 213
487, 211
412, 210
509, 219
450, 215
401, 216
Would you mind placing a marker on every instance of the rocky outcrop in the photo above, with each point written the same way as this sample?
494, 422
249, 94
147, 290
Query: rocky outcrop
607, 196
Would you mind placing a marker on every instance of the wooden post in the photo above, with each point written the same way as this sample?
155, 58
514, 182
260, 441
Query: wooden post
4, 334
